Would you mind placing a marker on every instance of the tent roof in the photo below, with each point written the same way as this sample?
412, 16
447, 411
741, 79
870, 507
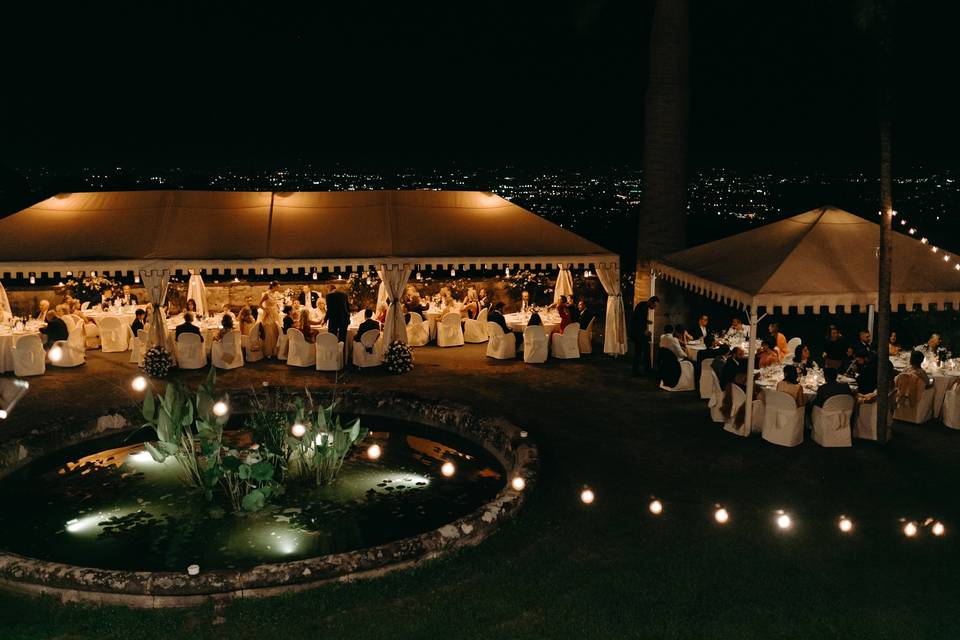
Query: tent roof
123, 230
825, 257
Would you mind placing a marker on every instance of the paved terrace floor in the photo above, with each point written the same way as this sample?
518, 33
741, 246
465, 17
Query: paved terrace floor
562, 569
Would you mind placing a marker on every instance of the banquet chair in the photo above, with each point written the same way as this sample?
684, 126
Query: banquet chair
29, 358
475, 331
70, 320
865, 423
449, 333
730, 424
329, 355
368, 351
585, 339
792, 345
418, 333
502, 346
920, 413
534, 344
951, 408
706, 382
716, 400
72, 350
283, 344
91, 334
831, 422
674, 374
85, 306
253, 344
113, 335
138, 345
566, 345
190, 353
300, 353
227, 352
782, 419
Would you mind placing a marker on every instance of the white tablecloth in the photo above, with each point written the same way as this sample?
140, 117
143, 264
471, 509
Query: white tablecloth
942, 376
518, 321
7, 340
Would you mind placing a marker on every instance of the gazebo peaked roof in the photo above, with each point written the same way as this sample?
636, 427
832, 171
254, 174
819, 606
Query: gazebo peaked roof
825, 257
124, 230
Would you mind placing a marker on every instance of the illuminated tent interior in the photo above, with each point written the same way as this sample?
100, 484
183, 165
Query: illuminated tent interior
124, 232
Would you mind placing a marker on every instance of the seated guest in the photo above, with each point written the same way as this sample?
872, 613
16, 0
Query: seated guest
64, 307
525, 304
128, 297
933, 344
779, 341
287, 322
737, 334
670, 342
188, 326
681, 334
574, 310
563, 311
894, 346
585, 314
55, 330
227, 312
308, 298
471, 305
254, 309
835, 351
483, 300
226, 326
535, 320
246, 320
496, 316
415, 305
867, 379
864, 341
192, 306
720, 361
711, 351
831, 387
916, 368
449, 305
296, 308
701, 331
912, 382
735, 369
367, 324
790, 384
137, 325
303, 324
768, 356
381, 313
802, 359
42, 310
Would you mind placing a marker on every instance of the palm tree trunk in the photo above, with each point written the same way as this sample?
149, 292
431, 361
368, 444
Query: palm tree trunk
886, 267
662, 227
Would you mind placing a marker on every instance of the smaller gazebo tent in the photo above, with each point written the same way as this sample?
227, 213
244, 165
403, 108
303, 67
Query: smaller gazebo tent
822, 258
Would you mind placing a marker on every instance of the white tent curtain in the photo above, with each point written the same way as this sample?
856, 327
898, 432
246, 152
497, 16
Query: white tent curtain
615, 330
156, 282
394, 280
5, 311
197, 291
564, 284
382, 291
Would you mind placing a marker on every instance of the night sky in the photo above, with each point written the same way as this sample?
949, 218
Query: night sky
485, 82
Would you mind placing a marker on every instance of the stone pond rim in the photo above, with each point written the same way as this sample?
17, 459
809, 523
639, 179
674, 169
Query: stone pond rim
71, 583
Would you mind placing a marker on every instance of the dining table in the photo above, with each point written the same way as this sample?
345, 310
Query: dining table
942, 375
9, 337
519, 320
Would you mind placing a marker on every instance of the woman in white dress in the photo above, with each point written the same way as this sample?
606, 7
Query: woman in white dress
271, 320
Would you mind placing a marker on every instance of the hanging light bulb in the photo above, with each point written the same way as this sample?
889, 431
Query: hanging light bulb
33, 279
721, 515
656, 507
946, 258
784, 521
938, 529
910, 529
923, 240
314, 275
453, 272
587, 496
845, 524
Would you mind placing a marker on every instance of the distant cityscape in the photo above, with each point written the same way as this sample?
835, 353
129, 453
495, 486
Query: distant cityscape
601, 203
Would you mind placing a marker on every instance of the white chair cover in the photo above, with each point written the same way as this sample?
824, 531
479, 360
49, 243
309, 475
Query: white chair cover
300, 353
369, 340
730, 424
586, 338
534, 344
687, 377
502, 346
190, 353
329, 353
113, 335
73, 349
920, 413
252, 344
227, 352
706, 382
792, 345
197, 291
71, 321
418, 333
831, 422
137, 345
85, 305
29, 358
91, 335
865, 424
475, 331
615, 331
566, 345
951, 408
283, 344
393, 281
449, 333
564, 284
782, 419
716, 400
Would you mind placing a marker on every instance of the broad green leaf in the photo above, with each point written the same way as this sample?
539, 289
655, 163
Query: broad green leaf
261, 471
254, 501
149, 406
244, 471
156, 454
355, 430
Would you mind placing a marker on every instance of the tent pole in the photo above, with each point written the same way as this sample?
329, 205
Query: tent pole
652, 321
751, 353
870, 318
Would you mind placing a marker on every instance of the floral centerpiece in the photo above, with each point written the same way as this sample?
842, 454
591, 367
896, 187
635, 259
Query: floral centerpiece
398, 357
88, 288
156, 362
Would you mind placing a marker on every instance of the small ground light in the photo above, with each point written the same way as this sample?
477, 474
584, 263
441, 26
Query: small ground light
139, 383
448, 469
518, 483
3, 414
656, 507
586, 496
374, 451
938, 529
298, 430
845, 524
721, 515
910, 529
784, 521
220, 408
56, 353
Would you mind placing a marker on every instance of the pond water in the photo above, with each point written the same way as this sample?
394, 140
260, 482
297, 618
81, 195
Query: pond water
108, 504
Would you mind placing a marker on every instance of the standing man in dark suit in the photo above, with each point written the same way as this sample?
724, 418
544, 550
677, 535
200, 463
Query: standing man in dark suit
831, 387
640, 334
338, 313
